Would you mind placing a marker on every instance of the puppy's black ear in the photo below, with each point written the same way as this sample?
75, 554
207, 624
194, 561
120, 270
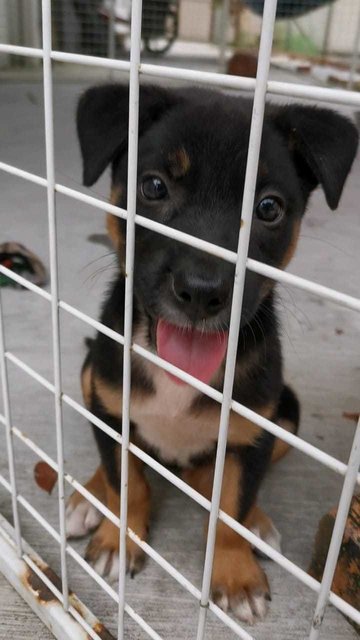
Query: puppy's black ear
324, 146
102, 123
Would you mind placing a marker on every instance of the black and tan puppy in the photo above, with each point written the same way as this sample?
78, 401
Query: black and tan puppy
192, 158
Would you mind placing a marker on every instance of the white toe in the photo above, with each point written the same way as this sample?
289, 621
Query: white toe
82, 519
222, 601
113, 575
259, 606
243, 611
93, 518
101, 563
272, 538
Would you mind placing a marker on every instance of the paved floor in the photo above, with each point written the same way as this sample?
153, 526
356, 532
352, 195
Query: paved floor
322, 362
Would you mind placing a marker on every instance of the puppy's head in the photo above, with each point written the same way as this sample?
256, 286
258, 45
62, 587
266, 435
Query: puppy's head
191, 170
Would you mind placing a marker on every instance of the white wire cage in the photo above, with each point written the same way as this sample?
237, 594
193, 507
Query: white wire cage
14, 551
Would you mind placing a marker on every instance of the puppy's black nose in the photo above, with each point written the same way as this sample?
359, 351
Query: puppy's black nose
200, 297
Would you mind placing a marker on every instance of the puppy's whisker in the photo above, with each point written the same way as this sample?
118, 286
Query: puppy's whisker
96, 274
295, 312
102, 257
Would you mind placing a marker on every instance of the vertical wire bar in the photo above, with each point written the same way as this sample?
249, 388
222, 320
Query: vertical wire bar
337, 535
9, 436
327, 30
267, 31
355, 56
225, 15
135, 52
50, 174
111, 35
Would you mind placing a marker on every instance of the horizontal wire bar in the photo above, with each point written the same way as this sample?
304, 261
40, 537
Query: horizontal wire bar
89, 630
309, 286
27, 52
288, 89
25, 283
90, 61
293, 440
92, 418
278, 275
274, 87
141, 622
253, 539
20, 173
147, 223
91, 572
3, 480
30, 371
39, 518
102, 328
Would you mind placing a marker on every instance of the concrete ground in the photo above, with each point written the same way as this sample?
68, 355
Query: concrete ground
322, 363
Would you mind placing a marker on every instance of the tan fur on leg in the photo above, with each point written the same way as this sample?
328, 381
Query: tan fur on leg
103, 548
238, 582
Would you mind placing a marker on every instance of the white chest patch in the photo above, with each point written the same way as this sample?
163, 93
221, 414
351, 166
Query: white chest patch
164, 420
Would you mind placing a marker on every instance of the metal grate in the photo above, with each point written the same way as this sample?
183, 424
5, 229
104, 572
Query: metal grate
262, 87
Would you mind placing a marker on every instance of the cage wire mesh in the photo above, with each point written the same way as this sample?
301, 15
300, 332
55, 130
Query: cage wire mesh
83, 28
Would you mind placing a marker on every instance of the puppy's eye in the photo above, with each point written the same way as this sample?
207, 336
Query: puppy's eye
153, 188
270, 210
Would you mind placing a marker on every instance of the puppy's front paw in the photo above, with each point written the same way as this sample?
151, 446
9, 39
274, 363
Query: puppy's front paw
81, 517
103, 552
239, 584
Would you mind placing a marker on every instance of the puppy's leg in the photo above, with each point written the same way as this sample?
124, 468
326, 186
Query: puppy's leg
81, 516
288, 417
103, 549
238, 582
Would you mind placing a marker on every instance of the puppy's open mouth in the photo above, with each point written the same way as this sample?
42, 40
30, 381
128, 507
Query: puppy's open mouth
198, 353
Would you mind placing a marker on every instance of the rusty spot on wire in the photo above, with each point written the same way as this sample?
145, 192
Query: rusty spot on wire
102, 632
43, 593
351, 415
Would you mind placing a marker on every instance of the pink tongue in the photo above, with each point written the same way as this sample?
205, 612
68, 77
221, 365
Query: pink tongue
197, 353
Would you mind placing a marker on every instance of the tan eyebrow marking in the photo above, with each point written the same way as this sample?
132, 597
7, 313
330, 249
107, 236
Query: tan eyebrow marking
179, 162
